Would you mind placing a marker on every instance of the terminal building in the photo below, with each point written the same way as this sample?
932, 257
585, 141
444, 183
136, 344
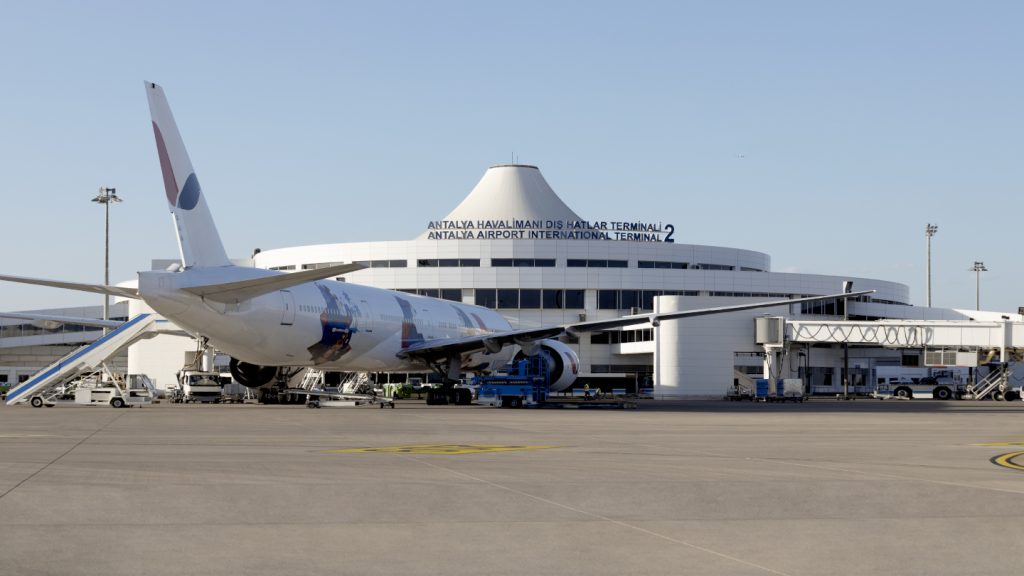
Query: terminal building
513, 245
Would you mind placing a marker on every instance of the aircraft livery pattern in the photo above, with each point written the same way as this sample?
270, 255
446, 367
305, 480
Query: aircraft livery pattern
187, 197
337, 327
410, 334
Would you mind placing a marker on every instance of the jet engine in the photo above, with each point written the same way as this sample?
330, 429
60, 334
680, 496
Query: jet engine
563, 363
252, 375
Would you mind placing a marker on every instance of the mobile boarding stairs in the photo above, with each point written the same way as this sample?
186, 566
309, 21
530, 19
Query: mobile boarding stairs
43, 387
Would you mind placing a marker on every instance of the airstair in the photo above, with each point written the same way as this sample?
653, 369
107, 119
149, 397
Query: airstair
997, 381
356, 383
312, 379
85, 359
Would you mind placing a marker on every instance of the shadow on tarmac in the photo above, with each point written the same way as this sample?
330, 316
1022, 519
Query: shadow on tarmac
832, 405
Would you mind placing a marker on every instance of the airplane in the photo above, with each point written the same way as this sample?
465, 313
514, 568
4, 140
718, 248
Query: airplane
266, 319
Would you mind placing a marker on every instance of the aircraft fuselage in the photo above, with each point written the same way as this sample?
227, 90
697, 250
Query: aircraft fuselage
325, 324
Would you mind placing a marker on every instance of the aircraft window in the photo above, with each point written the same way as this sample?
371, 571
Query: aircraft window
529, 299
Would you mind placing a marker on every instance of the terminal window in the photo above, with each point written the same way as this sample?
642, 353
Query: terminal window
573, 299
448, 263
508, 298
523, 262
662, 265
577, 263
529, 298
607, 299
486, 297
552, 299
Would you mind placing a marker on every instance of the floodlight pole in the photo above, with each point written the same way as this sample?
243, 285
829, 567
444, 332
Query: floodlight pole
930, 231
978, 268
105, 197
847, 288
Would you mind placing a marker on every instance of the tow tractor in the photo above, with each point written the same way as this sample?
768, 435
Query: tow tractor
526, 383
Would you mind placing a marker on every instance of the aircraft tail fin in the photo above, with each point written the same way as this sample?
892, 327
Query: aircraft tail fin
198, 239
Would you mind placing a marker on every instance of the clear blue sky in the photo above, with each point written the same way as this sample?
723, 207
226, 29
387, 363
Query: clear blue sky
825, 134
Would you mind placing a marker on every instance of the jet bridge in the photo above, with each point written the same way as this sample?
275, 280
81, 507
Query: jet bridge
947, 342
88, 358
954, 334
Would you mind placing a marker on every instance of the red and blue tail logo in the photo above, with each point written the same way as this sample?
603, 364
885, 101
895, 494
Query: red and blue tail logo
185, 197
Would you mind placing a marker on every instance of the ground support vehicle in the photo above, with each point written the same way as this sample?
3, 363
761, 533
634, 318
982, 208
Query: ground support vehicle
111, 395
786, 390
996, 385
939, 388
739, 391
335, 398
102, 387
200, 386
526, 383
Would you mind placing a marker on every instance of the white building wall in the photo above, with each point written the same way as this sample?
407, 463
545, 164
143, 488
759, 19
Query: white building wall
161, 357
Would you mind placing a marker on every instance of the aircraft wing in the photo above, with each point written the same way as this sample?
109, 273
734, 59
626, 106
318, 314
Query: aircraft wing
245, 289
97, 288
495, 341
162, 326
51, 318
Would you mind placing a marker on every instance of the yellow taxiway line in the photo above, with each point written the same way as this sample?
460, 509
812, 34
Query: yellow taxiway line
447, 449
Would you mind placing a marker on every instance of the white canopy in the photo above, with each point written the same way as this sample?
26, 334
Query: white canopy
512, 191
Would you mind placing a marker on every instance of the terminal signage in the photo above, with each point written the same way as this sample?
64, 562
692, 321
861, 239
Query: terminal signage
550, 230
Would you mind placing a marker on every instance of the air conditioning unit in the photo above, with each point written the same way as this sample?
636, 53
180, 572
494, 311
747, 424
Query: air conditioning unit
583, 316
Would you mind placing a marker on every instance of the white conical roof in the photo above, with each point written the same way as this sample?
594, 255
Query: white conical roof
512, 191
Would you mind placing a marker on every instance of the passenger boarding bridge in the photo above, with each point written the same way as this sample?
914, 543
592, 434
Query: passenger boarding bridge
949, 334
945, 343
